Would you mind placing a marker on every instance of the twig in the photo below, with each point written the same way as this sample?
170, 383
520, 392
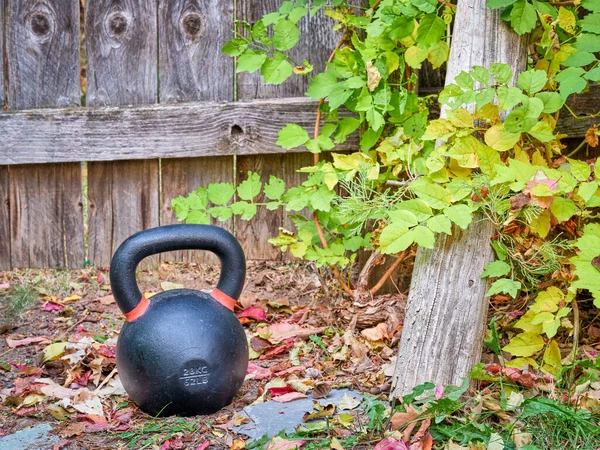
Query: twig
567, 3
579, 147
362, 285
336, 272
401, 257
575, 327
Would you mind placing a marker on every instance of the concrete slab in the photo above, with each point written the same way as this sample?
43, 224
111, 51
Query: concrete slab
34, 438
272, 417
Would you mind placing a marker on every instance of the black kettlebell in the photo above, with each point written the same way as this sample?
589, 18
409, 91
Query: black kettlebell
183, 352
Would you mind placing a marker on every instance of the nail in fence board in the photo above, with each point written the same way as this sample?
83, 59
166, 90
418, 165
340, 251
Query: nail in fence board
42, 56
316, 44
193, 68
122, 67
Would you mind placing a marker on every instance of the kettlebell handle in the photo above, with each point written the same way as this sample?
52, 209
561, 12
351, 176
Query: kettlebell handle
176, 237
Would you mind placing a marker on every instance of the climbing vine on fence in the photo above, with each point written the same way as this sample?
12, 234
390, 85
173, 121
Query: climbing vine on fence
414, 177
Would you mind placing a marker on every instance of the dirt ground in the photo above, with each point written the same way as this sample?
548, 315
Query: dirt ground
333, 342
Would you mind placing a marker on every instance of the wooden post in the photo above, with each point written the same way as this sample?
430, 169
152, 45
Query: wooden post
446, 312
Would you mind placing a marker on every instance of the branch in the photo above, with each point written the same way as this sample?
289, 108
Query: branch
401, 257
362, 284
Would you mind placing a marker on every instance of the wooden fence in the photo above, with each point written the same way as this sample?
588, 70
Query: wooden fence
157, 111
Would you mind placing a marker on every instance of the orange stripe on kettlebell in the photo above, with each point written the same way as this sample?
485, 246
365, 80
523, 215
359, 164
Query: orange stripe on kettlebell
137, 312
223, 299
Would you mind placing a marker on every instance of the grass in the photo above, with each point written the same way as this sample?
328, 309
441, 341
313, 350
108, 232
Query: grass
154, 432
17, 300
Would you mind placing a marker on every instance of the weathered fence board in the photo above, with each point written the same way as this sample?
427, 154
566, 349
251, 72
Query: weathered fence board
122, 67
4, 220
42, 58
2, 85
152, 131
193, 68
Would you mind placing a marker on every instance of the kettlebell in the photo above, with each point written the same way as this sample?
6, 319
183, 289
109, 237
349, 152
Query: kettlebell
182, 352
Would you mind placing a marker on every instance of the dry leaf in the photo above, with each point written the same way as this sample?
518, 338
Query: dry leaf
321, 390
377, 333
373, 76
285, 398
591, 137
168, 286
278, 443
400, 419
14, 343
238, 444
106, 300
391, 444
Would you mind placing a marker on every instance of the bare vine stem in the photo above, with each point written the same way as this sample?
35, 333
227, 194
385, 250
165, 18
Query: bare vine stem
388, 273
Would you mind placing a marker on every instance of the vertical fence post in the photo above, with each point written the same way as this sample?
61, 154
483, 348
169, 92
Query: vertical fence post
122, 68
193, 68
5, 263
42, 45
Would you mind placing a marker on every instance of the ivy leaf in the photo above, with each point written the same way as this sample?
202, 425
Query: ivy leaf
438, 54
488, 159
460, 117
198, 217
276, 70
275, 188
291, 136
250, 61
495, 269
250, 187
563, 208
532, 81
414, 56
523, 17
322, 85
404, 218
525, 344
285, 34
431, 30
552, 358
461, 215
508, 97
580, 169
504, 286
433, 194
220, 193
481, 74
321, 199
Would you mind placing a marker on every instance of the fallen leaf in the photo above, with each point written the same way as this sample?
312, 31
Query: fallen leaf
391, 444
276, 391
348, 403
279, 303
204, 445
278, 443
106, 300
291, 370
4, 286
14, 343
439, 391
400, 419
52, 306
73, 429
591, 136
72, 298
284, 330
238, 444
257, 372
321, 412
321, 390
335, 444
377, 333
254, 312
285, 398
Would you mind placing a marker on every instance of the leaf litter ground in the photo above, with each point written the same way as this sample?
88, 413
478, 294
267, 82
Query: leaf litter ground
57, 356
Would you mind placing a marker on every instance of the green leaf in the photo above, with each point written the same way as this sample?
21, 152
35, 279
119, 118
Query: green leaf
532, 81
250, 61
404, 218
563, 208
433, 194
220, 193
321, 85
465, 80
424, 237
275, 188
245, 210
321, 199
285, 35
552, 101
296, 14
523, 17
222, 213
567, 20
440, 224
579, 59
495, 4
508, 97
504, 286
588, 42
500, 139
591, 23
345, 127
525, 344
593, 75
438, 54
431, 30
495, 269
198, 217
492, 339
250, 187
542, 132
395, 239
414, 56
488, 159
418, 207
591, 5
235, 47
291, 136
276, 70
580, 169
502, 72
481, 74
570, 81
461, 215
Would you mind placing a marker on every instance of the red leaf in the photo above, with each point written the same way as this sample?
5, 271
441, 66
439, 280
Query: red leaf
261, 372
285, 372
277, 391
100, 277
289, 397
110, 351
52, 306
391, 444
278, 350
204, 445
254, 312
4, 286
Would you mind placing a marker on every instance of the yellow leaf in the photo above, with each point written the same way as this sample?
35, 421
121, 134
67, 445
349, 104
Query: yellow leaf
414, 56
335, 444
72, 298
500, 139
438, 54
525, 344
524, 323
566, 20
54, 351
541, 225
519, 363
552, 358
538, 160
461, 118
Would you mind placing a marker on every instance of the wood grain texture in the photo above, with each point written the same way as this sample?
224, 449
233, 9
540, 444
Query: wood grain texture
180, 177
192, 66
446, 312
42, 53
152, 131
122, 54
43, 71
2, 68
46, 211
123, 199
121, 48
5, 259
